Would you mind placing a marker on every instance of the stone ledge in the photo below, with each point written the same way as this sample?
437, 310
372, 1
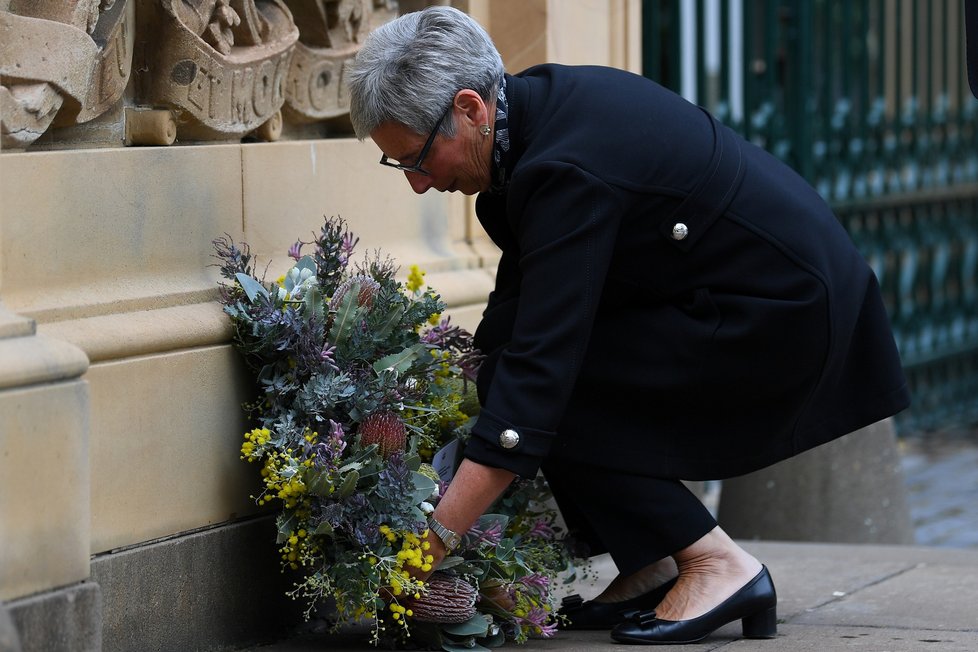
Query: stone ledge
145, 332
30, 360
123, 335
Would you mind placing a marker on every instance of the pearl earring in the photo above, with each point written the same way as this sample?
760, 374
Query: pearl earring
485, 130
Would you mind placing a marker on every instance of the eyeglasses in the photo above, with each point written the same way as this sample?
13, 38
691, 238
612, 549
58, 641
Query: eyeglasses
416, 168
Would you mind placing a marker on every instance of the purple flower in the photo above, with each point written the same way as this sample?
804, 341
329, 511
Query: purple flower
535, 580
538, 616
492, 535
346, 248
329, 451
337, 435
548, 631
327, 356
541, 529
295, 251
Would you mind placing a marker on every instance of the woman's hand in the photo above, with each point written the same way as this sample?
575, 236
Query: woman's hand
473, 489
431, 547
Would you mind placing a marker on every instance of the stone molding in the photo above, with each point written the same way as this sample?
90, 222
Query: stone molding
36, 359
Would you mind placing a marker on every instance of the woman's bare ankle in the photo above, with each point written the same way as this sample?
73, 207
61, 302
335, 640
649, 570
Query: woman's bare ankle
710, 570
625, 587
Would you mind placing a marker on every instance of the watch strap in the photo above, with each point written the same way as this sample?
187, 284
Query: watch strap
448, 537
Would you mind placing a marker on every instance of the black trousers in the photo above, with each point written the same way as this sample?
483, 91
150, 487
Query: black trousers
636, 519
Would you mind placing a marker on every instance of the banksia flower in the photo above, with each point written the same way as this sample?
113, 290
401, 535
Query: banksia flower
386, 430
368, 290
447, 600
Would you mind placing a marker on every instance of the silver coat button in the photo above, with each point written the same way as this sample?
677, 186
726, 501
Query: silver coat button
509, 438
679, 231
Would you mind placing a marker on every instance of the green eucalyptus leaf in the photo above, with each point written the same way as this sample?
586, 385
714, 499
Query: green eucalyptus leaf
450, 562
286, 522
495, 640
306, 262
412, 462
417, 515
486, 521
450, 646
290, 279
477, 625
423, 487
251, 287
505, 548
474, 567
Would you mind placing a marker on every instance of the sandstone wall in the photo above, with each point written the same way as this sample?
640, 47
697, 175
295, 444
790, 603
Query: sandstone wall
133, 133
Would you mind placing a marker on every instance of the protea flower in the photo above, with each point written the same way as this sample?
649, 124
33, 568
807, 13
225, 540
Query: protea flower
368, 290
386, 430
447, 600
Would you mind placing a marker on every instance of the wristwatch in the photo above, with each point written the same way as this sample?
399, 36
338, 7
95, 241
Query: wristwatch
449, 538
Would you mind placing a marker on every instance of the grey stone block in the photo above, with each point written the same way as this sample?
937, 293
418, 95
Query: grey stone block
850, 490
216, 589
63, 620
9, 640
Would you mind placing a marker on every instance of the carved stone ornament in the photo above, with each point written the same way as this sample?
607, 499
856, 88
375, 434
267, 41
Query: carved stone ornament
330, 33
61, 63
219, 65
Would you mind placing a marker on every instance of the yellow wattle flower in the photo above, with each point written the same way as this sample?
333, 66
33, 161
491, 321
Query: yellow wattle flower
415, 279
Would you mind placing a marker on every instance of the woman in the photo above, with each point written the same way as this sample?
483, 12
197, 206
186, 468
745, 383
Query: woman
671, 303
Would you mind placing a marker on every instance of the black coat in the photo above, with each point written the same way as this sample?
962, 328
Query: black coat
614, 340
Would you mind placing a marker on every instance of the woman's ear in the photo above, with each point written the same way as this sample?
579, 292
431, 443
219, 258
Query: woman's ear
469, 106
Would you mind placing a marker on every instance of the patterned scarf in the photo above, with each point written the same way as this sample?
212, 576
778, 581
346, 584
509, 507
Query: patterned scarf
500, 147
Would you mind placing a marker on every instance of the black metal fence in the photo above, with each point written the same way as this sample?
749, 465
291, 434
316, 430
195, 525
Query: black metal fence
869, 100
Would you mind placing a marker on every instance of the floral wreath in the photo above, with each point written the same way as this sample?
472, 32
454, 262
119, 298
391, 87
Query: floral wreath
363, 390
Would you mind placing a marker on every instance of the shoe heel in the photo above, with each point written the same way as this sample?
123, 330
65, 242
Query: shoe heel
763, 624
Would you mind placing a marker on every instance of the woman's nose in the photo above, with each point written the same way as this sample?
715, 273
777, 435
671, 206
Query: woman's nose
419, 182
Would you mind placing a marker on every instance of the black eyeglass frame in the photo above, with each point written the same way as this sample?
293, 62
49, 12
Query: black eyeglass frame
416, 167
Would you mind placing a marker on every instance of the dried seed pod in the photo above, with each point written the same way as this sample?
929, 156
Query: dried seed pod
386, 430
448, 600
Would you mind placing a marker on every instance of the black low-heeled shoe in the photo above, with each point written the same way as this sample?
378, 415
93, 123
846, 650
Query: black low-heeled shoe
605, 615
755, 605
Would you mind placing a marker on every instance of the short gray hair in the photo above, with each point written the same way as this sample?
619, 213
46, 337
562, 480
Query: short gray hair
409, 70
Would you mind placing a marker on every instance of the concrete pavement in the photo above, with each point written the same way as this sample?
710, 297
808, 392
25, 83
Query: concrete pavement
831, 597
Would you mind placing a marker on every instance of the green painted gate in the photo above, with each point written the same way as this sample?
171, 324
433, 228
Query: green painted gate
869, 100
